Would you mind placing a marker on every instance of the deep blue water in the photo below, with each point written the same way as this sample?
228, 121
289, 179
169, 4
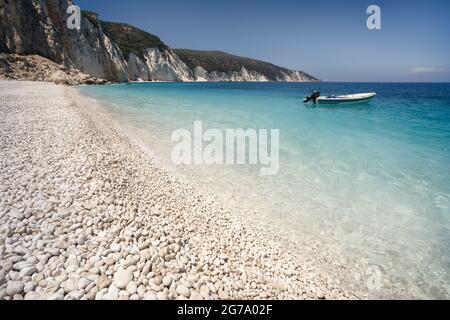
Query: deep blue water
370, 182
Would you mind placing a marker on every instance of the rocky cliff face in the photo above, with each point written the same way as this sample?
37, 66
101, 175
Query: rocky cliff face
39, 27
200, 74
222, 66
295, 76
217, 76
92, 52
26, 27
161, 64
137, 69
165, 65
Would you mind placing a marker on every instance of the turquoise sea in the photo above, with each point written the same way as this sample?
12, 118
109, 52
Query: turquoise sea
367, 183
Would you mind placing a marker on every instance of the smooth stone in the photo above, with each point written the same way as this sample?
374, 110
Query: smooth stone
122, 278
99, 296
52, 251
83, 283
204, 291
196, 296
131, 287
135, 297
131, 261
167, 281
72, 263
56, 296
212, 287
161, 296
19, 265
150, 296
2, 277
147, 268
33, 296
74, 295
21, 250
124, 293
223, 295
13, 288
94, 270
62, 277
115, 247
103, 282
27, 271
71, 285
29, 286
183, 290
157, 281
113, 293
109, 261
141, 291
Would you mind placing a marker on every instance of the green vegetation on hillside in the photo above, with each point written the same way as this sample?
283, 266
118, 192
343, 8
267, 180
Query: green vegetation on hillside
131, 39
224, 62
128, 38
92, 17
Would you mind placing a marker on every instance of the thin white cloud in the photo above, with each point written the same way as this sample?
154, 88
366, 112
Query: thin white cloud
427, 70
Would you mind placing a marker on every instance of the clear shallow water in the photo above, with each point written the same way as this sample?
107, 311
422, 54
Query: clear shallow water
369, 183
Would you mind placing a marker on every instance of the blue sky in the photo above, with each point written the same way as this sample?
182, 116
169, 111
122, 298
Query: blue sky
328, 39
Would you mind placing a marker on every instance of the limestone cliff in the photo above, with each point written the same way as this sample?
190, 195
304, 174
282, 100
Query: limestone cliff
165, 65
39, 27
114, 51
137, 69
222, 66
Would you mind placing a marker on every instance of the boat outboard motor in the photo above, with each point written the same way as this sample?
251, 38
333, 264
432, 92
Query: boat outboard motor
312, 97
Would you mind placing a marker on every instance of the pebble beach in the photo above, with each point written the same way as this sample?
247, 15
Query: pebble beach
85, 213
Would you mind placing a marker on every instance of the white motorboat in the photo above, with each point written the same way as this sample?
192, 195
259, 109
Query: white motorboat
357, 97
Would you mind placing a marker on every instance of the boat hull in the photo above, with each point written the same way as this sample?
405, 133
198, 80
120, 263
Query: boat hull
346, 99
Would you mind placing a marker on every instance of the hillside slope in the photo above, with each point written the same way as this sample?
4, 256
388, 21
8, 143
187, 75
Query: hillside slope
131, 39
113, 51
149, 58
38, 28
222, 62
